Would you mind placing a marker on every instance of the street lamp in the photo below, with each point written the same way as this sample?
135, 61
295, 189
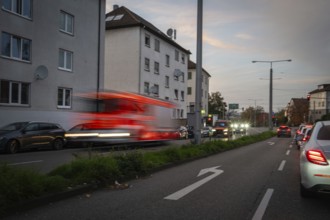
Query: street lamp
271, 88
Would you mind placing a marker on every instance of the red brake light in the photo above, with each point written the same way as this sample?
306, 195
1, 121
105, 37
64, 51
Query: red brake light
317, 157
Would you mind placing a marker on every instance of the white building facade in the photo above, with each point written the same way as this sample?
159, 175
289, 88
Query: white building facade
50, 50
191, 92
140, 58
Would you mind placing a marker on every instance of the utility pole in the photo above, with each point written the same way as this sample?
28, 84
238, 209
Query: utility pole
198, 95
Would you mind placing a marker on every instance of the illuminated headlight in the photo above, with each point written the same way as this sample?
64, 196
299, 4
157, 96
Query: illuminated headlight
213, 130
236, 125
225, 130
246, 125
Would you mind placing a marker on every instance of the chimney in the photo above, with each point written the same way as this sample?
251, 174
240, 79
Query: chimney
115, 7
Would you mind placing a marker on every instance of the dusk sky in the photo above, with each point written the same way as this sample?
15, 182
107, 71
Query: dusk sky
235, 32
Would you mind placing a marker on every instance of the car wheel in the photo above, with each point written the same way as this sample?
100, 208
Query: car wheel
58, 144
304, 192
12, 146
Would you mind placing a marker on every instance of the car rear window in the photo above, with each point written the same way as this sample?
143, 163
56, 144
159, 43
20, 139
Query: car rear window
324, 133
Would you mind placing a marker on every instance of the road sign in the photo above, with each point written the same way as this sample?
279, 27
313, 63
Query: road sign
233, 106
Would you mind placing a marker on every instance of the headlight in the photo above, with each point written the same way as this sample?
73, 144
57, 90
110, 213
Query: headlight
225, 130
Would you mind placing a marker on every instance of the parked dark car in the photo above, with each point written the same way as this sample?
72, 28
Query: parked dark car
31, 135
284, 131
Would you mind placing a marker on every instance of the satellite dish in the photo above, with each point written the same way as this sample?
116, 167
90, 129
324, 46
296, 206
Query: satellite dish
41, 73
170, 32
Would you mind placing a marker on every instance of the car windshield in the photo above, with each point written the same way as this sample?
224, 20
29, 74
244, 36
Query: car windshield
324, 133
14, 126
221, 124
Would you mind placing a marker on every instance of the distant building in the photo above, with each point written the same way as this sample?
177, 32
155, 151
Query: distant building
297, 111
140, 58
50, 50
319, 102
191, 97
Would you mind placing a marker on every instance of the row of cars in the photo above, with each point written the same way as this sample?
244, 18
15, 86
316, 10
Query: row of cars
314, 144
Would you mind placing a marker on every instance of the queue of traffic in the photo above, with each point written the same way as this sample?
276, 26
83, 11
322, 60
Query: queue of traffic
313, 141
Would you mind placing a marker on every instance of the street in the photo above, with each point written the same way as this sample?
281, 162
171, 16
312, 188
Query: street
259, 181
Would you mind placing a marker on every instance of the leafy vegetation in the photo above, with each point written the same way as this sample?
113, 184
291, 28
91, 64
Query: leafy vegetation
21, 185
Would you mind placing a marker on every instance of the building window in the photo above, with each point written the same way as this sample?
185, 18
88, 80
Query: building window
167, 63
181, 113
182, 78
167, 81
146, 64
183, 58
156, 68
20, 7
14, 93
176, 57
66, 22
15, 47
65, 60
189, 90
182, 95
147, 40
189, 75
176, 94
155, 89
167, 98
146, 87
157, 45
64, 98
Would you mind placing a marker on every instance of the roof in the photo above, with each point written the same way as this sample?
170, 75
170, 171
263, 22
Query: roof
192, 65
300, 101
122, 17
321, 88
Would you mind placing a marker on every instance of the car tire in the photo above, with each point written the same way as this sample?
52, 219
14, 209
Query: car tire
12, 146
305, 193
58, 144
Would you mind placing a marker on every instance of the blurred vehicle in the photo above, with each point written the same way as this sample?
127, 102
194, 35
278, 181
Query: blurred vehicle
314, 161
239, 128
207, 131
298, 132
223, 128
183, 132
283, 131
31, 135
124, 118
304, 136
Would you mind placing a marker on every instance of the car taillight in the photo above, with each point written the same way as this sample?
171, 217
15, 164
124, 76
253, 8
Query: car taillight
317, 157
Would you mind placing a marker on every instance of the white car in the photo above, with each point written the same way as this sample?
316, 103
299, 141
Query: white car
315, 161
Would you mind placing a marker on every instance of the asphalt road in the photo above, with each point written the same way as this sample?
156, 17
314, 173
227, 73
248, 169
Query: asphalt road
259, 181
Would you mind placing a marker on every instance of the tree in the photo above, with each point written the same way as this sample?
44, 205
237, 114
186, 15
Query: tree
250, 114
217, 105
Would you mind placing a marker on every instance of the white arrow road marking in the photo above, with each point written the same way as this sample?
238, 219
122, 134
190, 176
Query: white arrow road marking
271, 143
181, 193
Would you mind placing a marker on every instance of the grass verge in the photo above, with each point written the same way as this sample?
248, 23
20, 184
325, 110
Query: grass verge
19, 185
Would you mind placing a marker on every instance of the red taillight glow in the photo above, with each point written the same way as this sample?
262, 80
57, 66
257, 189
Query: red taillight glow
317, 157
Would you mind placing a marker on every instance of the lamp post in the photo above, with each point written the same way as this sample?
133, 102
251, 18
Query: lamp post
270, 123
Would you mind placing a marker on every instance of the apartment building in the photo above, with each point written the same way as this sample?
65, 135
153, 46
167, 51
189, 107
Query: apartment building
142, 59
319, 102
50, 50
191, 98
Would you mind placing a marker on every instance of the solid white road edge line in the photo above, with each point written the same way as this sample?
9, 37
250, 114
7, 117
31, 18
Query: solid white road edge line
36, 161
263, 205
280, 168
